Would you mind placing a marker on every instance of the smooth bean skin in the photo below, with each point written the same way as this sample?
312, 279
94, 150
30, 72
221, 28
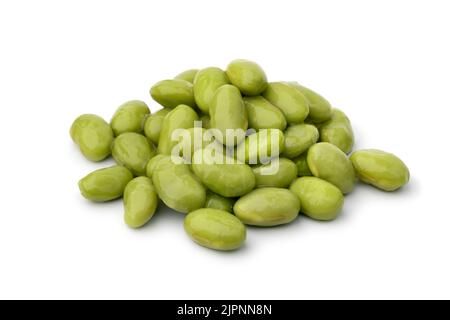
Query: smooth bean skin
216, 201
215, 229
206, 121
196, 139
248, 76
228, 179
140, 202
320, 199
177, 187
298, 139
151, 165
338, 131
228, 111
153, 125
261, 146
93, 135
380, 169
319, 107
291, 102
133, 151
267, 207
302, 165
188, 75
172, 93
206, 82
130, 117
105, 184
182, 117
264, 115
287, 172
328, 162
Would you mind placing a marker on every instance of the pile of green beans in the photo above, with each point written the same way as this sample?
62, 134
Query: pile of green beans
311, 154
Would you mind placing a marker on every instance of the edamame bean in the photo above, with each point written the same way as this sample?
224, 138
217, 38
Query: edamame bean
267, 207
206, 82
132, 150
298, 139
278, 173
319, 107
151, 165
215, 229
264, 115
229, 178
182, 117
261, 146
292, 103
194, 139
188, 75
93, 135
380, 169
328, 162
177, 186
302, 165
105, 184
248, 76
320, 199
338, 131
130, 117
228, 115
216, 201
206, 121
153, 125
172, 93
140, 202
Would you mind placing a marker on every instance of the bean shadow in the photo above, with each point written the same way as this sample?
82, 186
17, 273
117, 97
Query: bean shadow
108, 207
163, 216
167, 216
364, 193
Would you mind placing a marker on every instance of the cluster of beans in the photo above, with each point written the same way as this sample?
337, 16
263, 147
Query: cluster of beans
310, 152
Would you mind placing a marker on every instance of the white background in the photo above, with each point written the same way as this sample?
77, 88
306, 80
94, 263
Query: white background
385, 63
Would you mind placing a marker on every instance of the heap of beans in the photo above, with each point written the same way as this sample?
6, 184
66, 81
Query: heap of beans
287, 155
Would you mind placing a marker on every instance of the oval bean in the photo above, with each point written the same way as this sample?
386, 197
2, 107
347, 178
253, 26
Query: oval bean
278, 173
182, 117
264, 115
176, 186
215, 229
206, 82
133, 150
228, 115
267, 207
338, 131
130, 117
105, 184
292, 103
248, 76
153, 125
93, 135
380, 169
320, 199
261, 146
229, 178
151, 165
172, 93
216, 201
298, 139
140, 202
328, 162
319, 107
